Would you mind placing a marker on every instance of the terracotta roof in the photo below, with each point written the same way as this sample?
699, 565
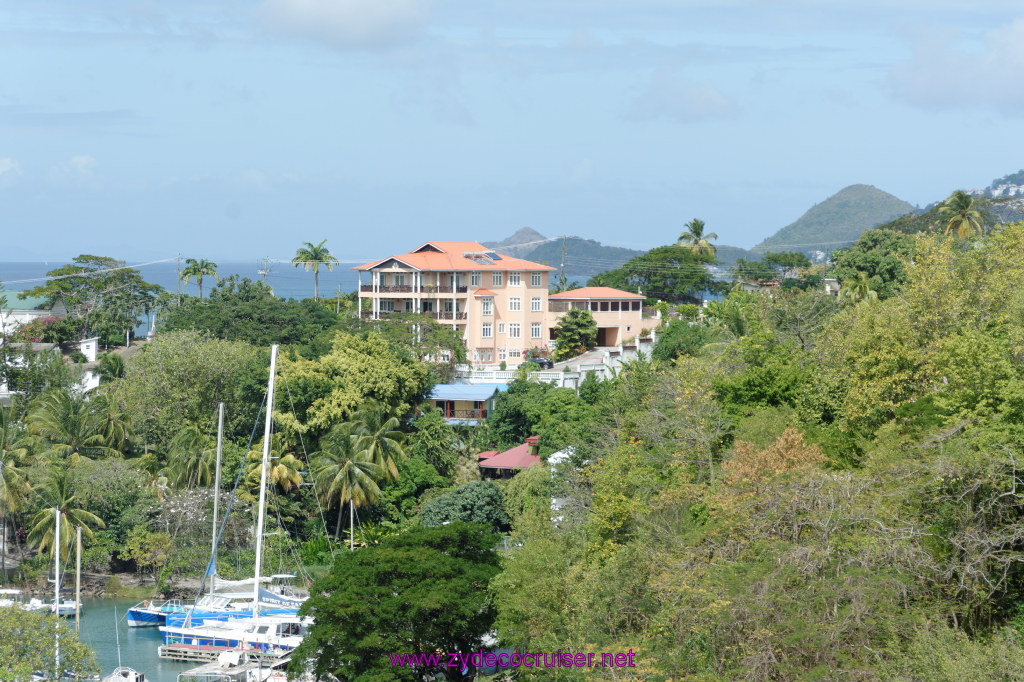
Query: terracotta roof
486, 453
588, 293
518, 457
448, 256
484, 292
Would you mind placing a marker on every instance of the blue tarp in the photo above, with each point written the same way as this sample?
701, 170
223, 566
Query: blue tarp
466, 391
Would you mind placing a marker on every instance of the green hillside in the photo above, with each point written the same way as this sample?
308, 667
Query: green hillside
583, 257
838, 220
999, 210
519, 244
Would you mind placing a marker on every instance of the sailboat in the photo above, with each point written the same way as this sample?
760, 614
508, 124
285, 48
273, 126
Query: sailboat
273, 631
216, 605
61, 607
122, 673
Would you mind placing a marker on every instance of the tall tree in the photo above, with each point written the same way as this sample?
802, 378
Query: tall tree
284, 469
57, 493
695, 239
381, 440
311, 256
961, 214
575, 333
105, 294
71, 426
191, 458
858, 289
197, 270
422, 590
13, 486
345, 472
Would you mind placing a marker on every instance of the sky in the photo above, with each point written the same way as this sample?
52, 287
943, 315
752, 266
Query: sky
239, 129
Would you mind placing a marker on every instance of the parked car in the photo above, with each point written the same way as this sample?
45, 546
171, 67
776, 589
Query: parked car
545, 363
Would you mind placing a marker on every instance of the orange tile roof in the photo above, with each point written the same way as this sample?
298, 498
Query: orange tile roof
595, 292
484, 292
448, 257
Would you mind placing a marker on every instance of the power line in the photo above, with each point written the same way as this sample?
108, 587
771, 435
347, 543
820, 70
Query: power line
88, 273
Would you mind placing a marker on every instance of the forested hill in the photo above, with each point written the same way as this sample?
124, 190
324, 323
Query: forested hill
519, 244
838, 220
583, 257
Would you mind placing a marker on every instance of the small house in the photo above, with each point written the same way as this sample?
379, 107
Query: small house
510, 462
465, 403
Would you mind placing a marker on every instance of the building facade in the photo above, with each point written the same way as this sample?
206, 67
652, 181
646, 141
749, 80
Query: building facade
499, 303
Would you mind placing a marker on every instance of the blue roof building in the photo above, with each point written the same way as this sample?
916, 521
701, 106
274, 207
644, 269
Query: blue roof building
465, 403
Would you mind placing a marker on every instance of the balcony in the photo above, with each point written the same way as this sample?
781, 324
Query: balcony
432, 314
465, 414
425, 290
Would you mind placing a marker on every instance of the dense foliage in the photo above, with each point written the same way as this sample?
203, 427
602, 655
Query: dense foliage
422, 591
668, 273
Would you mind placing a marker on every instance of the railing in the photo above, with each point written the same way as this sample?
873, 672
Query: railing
445, 315
425, 290
432, 314
465, 414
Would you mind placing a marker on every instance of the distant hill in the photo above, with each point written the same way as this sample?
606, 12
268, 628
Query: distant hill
838, 220
993, 211
584, 258
728, 255
519, 244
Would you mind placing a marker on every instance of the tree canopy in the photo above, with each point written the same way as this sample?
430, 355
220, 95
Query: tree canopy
670, 273
422, 591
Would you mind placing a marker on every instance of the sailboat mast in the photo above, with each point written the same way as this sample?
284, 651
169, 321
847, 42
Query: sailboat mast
216, 491
263, 485
56, 588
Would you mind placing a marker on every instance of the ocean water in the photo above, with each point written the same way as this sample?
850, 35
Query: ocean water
286, 280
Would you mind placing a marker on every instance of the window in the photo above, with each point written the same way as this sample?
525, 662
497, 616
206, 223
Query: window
535, 330
514, 279
486, 330
515, 304
501, 327
513, 330
448, 306
496, 279
514, 352
501, 353
399, 279
535, 279
487, 306
535, 304
474, 279
387, 305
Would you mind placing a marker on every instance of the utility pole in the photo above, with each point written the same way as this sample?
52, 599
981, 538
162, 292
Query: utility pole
78, 575
178, 260
561, 270
266, 269
337, 308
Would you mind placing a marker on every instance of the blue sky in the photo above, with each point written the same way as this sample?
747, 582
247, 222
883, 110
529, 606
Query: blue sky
237, 129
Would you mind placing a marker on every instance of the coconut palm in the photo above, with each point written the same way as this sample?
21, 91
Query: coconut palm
857, 290
311, 256
963, 215
190, 458
114, 424
695, 239
197, 269
13, 486
70, 426
381, 438
110, 367
57, 493
284, 468
345, 472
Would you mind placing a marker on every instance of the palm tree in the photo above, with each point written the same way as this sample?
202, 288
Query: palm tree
197, 269
57, 493
858, 290
13, 486
963, 213
285, 469
311, 256
114, 424
110, 367
71, 425
382, 440
696, 240
345, 472
190, 459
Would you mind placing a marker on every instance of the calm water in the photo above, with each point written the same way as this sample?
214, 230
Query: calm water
138, 645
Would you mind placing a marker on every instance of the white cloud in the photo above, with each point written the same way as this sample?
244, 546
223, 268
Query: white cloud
350, 23
679, 99
79, 169
948, 71
9, 167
